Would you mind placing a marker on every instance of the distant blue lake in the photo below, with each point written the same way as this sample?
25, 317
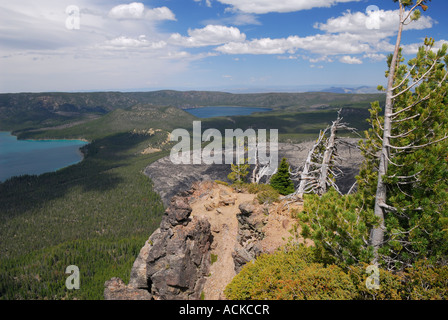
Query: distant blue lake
221, 111
19, 157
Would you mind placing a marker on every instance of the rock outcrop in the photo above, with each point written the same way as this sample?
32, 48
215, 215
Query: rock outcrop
116, 289
209, 220
250, 232
174, 261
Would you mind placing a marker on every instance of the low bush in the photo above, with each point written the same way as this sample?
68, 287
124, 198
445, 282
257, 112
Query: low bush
268, 196
265, 193
297, 274
290, 275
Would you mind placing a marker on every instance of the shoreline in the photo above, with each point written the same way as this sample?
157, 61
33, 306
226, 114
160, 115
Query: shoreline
45, 139
82, 143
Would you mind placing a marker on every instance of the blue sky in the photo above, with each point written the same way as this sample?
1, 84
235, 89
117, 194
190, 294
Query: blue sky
230, 45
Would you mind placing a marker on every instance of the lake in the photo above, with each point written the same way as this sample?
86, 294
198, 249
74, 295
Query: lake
19, 157
221, 111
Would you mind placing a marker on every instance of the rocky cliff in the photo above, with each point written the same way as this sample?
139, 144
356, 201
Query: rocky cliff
174, 260
205, 237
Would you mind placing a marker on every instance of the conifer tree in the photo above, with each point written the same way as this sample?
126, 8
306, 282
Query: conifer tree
411, 193
414, 122
281, 180
399, 214
240, 170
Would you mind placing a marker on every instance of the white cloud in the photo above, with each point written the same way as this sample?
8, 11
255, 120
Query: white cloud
137, 11
207, 2
266, 6
134, 10
412, 48
40, 54
350, 60
208, 36
162, 13
378, 23
348, 34
318, 59
140, 42
375, 57
257, 46
324, 44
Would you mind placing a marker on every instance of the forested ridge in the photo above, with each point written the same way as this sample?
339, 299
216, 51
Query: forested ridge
98, 213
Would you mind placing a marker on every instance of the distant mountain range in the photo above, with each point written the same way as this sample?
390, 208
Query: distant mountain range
350, 89
358, 90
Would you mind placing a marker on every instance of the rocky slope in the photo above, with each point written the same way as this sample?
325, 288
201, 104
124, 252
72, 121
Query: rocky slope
171, 178
206, 235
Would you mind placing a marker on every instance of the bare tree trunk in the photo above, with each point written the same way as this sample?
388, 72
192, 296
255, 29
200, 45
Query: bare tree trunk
377, 234
255, 172
328, 154
305, 175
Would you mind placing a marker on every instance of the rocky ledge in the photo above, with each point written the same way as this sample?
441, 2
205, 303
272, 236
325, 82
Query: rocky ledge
207, 220
173, 262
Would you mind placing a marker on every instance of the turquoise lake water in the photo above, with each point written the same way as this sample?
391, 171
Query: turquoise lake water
221, 111
19, 157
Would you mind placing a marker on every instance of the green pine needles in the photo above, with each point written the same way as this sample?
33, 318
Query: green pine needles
281, 181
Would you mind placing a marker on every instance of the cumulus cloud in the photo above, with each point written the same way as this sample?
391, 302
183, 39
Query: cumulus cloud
266, 6
109, 51
350, 60
413, 47
375, 57
208, 36
324, 44
162, 13
382, 23
257, 46
133, 10
137, 11
349, 34
140, 42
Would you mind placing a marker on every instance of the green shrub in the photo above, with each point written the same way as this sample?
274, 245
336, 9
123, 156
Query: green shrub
290, 275
423, 281
426, 281
338, 227
297, 274
268, 196
390, 285
256, 188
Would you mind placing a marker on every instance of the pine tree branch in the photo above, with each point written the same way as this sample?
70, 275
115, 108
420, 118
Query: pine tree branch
417, 81
403, 135
407, 119
404, 80
411, 146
